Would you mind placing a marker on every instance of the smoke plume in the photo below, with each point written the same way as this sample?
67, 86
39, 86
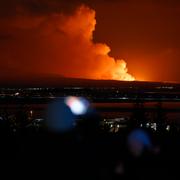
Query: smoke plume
60, 44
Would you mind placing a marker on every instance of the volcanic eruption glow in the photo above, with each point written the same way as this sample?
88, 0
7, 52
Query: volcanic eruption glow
81, 25
61, 44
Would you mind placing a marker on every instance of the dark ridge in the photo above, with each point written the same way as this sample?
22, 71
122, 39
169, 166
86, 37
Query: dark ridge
56, 81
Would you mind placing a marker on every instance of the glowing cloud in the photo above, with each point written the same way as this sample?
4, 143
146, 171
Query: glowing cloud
60, 44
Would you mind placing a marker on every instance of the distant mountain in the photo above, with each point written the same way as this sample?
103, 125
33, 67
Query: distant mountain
53, 80
30, 80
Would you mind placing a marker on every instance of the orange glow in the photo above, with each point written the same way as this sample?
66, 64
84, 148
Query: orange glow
63, 44
141, 76
120, 72
65, 39
99, 64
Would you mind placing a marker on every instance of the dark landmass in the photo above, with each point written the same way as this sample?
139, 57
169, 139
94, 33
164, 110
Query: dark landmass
58, 81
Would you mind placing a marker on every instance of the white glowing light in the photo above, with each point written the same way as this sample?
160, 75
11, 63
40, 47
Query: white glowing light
17, 94
31, 112
168, 128
78, 106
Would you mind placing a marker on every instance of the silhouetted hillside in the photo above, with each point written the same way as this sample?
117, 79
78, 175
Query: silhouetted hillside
53, 80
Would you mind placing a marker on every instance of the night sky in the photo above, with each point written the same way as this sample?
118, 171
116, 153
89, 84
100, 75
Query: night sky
74, 40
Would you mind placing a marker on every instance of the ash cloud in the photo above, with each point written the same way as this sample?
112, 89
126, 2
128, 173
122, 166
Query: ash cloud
58, 43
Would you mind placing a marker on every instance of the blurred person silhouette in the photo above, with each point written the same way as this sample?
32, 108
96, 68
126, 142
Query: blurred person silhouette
139, 159
138, 142
73, 137
91, 143
59, 119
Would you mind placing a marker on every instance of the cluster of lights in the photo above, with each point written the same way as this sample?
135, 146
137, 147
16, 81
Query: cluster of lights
154, 126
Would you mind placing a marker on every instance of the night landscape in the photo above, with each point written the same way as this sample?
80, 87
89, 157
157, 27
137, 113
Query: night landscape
90, 89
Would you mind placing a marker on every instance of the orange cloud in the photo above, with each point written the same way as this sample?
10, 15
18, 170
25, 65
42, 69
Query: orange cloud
59, 44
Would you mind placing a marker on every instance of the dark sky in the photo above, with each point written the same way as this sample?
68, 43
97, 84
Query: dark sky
143, 33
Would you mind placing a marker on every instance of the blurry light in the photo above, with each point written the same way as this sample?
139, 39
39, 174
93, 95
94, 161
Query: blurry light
147, 125
168, 127
139, 136
154, 126
39, 119
31, 112
78, 105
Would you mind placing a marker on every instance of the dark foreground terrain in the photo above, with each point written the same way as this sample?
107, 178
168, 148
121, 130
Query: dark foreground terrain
88, 149
128, 132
